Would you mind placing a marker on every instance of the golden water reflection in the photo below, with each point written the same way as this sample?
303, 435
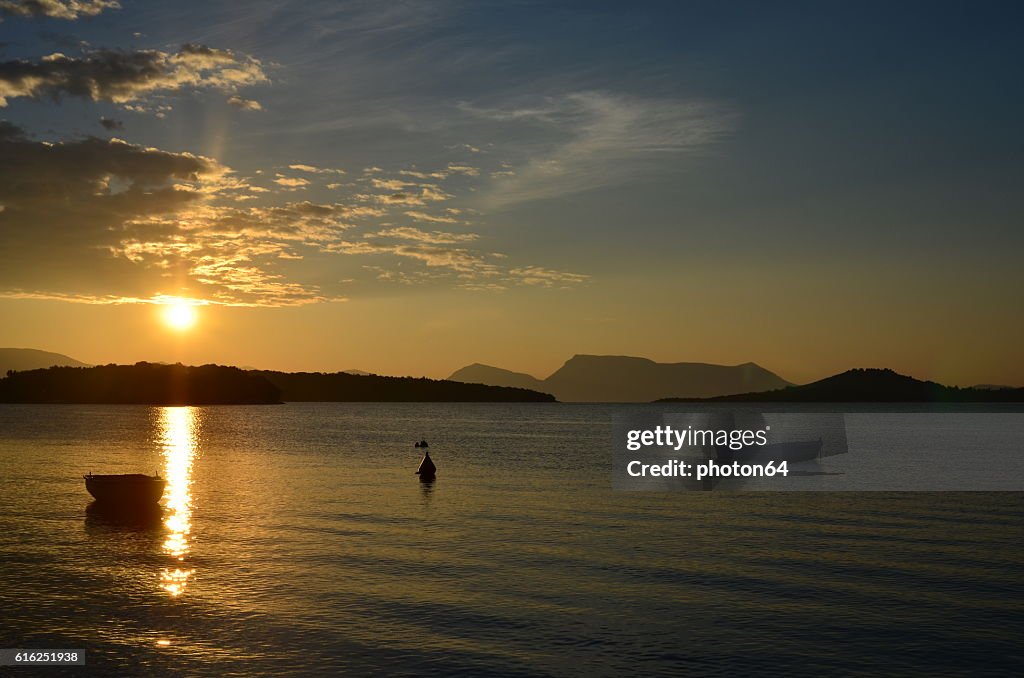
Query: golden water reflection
179, 441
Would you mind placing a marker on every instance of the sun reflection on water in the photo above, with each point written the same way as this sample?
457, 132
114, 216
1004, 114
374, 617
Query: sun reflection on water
179, 442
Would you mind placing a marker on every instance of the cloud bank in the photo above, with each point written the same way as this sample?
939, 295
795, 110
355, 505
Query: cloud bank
56, 9
106, 221
123, 77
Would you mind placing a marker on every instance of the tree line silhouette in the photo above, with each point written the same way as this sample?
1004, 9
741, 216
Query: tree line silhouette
342, 387
160, 384
142, 383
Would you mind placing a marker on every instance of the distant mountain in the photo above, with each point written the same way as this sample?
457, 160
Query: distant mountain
358, 373
495, 376
31, 359
593, 378
874, 386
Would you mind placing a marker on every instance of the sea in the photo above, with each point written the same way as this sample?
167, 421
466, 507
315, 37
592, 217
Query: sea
296, 540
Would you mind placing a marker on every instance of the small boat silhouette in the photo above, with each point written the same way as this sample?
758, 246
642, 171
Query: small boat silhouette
125, 490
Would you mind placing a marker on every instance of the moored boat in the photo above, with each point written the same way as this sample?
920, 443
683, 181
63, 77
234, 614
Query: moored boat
128, 489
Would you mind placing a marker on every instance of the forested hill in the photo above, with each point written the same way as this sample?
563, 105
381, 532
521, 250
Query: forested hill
874, 386
142, 383
343, 387
159, 384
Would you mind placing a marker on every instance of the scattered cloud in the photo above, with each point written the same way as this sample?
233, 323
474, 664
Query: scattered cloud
452, 168
391, 184
464, 263
124, 77
111, 124
234, 256
148, 222
422, 196
424, 175
244, 104
291, 182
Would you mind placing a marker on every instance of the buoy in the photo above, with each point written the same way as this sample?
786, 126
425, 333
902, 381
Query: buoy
427, 470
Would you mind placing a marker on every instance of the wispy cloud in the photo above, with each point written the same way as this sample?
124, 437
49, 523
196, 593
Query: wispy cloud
545, 277
416, 196
433, 218
419, 235
315, 170
588, 140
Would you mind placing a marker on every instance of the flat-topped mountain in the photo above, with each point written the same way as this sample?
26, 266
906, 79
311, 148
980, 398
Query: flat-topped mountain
18, 359
874, 386
594, 378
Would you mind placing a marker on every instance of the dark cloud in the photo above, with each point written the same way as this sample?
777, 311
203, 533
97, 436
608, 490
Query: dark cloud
106, 221
63, 206
56, 9
122, 76
111, 124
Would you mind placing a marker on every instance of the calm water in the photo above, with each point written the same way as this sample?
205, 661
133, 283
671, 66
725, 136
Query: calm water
297, 539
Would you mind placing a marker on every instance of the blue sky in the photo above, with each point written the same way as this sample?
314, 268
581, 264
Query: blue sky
593, 162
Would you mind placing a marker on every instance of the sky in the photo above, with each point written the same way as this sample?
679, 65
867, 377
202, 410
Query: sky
411, 187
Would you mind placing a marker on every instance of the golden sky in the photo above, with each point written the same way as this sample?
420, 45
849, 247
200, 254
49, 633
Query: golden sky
410, 188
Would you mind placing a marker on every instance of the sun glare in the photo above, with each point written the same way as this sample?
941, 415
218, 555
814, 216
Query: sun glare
180, 315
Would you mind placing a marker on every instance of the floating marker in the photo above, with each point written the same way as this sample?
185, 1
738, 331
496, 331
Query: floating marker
427, 470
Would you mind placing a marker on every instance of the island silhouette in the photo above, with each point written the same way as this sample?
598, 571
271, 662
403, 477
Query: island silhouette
142, 383
871, 386
348, 387
583, 378
160, 384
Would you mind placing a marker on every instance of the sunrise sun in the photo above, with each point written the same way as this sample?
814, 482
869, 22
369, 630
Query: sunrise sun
180, 315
